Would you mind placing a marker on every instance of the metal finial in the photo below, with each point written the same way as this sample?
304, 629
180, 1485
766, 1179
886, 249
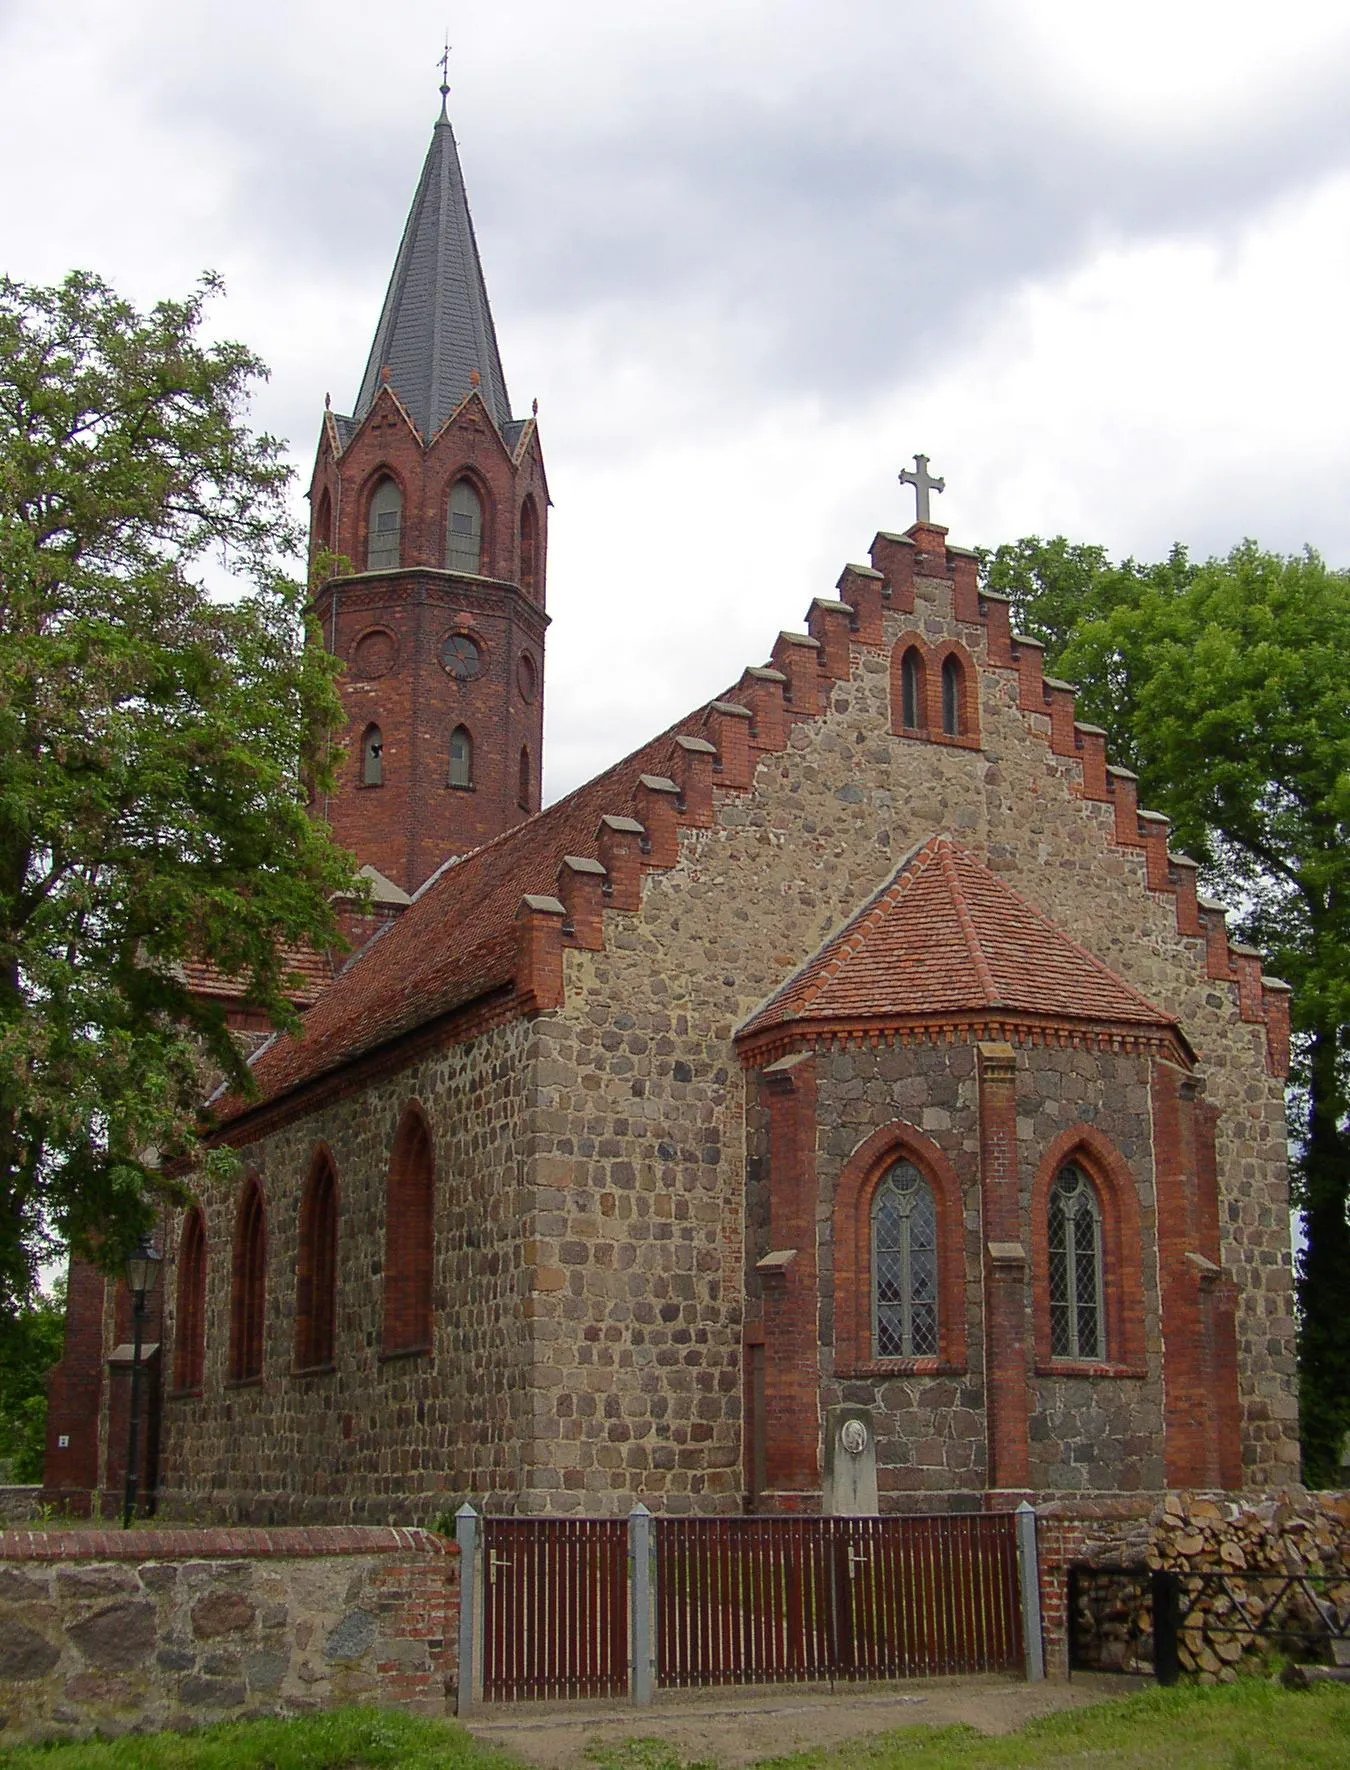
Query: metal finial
444, 65
534, 408
923, 483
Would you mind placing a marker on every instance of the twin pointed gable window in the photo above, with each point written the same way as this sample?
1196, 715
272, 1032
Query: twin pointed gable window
951, 697
385, 525
372, 757
911, 690
461, 757
464, 540
1075, 1259
904, 1266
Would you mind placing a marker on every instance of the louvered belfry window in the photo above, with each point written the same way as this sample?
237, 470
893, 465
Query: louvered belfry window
1075, 1242
904, 1266
464, 549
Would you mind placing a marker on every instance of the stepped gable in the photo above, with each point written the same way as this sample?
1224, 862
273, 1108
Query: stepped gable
457, 941
944, 939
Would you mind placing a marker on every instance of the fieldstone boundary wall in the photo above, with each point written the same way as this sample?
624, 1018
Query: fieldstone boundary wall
115, 1632
1288, 1531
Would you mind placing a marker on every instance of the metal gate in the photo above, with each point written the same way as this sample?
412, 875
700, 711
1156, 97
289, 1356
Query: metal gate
555, 1608
763, 1600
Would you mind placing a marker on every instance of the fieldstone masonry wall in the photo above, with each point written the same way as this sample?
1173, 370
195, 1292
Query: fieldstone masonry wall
115, 1632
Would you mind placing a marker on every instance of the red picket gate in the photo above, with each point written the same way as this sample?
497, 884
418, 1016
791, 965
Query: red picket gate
765, 1600
555, 1608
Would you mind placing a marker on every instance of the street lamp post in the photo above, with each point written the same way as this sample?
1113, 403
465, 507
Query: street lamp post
142, 1270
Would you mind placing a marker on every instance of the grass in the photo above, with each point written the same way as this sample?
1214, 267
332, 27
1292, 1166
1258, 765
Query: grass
1250, 1725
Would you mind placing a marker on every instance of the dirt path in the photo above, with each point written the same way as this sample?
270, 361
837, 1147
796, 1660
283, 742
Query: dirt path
732, 1728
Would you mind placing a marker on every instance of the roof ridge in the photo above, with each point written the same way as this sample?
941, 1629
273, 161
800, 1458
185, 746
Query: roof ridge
967, 922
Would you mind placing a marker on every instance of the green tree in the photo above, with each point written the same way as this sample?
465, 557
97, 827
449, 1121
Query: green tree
1226, 687
152, 742
30, 1344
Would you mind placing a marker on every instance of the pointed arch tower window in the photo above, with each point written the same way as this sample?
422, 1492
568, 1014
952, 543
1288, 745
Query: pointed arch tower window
911, 689
384, 527
461, 757
524, 783
464, 540
372, 757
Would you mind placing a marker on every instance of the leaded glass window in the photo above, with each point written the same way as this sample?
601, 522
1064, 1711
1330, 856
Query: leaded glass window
464, 541
386, 522
904, 1266
1075, 1237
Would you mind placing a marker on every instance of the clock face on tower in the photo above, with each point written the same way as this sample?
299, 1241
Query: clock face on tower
461, 658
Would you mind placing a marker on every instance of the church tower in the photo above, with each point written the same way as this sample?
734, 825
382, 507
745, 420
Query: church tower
433, 498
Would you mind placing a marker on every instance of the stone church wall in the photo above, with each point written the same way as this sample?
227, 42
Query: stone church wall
394, 1440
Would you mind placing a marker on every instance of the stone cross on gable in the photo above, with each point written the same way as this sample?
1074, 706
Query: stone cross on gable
923, 484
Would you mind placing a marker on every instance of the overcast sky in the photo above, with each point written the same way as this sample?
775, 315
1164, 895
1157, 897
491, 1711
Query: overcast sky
749, 255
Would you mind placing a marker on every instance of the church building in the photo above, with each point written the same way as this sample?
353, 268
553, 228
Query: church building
853, 1065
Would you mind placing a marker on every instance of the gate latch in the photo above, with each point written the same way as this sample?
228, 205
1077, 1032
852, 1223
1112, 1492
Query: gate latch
494, 1562
856, 1557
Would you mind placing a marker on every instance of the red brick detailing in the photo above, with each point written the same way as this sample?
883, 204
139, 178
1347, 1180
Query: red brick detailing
248, 1284
996, 612
655, 809
539, 965
1123, 788
1005, 1353
1029, 656
75, 1394
791, 1376
389, 627
1246, 963
1122, 1263
910, 648
695, 758
1063, 733
1183, 870
965, 570
967, 734
1217, 963
1275, 1006
893, 557
317, 1265
581, 891
761, 690
862, 1174
797, 655
619, 844
1153, 831
409, 1237
861, 588
830, 624
728, 728
189, 1322
1091, 743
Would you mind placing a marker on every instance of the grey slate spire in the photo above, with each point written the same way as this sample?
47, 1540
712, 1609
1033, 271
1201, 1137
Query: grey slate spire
436, 325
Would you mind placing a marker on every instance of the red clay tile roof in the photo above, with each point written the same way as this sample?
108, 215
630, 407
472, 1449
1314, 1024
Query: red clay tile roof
457, 941
307, 975
944, 938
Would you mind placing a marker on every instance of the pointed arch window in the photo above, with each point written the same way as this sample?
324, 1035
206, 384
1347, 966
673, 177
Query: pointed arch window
385, 524
461, 757
409, 1239
951, 696
248, 1294
189, 1331
316, 1268
904, 1266
372, 757
321, 535
1074, 1240
464, 542
529, 543
524, 784
911, 689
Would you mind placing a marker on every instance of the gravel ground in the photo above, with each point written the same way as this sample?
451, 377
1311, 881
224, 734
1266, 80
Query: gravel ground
732, 1727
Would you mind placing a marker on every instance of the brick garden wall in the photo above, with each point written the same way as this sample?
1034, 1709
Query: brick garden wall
117, 1632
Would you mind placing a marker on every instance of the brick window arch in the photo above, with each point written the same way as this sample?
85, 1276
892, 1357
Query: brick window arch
384, 525
464, 529
1085, 1218
951, 695
189, 1328
897, 1164
956, 715
529, 546
316, 1267
372, 757
913, 689
461, 757
409, 1238
248, 1285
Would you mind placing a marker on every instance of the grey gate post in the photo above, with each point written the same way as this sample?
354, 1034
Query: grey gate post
1029, 1578
640, 1591
466, 1535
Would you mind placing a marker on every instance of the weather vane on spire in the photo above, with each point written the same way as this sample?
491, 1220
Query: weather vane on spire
444, 65
923, 483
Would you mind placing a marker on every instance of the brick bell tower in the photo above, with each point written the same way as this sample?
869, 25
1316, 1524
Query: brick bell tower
436, 496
